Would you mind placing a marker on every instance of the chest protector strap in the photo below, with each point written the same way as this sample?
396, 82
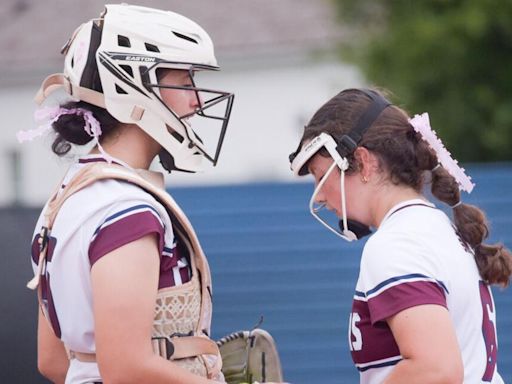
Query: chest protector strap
194, 345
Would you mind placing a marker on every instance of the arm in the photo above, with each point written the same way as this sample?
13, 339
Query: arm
52, 360
124, 284
428, 344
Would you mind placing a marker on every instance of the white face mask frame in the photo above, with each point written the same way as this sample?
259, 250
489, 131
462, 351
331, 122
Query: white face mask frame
306, 153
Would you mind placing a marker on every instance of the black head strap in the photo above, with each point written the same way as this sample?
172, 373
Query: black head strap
349, 142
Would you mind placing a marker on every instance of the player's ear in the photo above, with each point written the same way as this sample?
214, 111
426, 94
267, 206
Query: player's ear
366, 162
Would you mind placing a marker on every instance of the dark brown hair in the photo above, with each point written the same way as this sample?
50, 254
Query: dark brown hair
405, 157
70, 128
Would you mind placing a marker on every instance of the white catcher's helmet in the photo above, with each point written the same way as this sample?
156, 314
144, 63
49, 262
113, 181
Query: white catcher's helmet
112, 62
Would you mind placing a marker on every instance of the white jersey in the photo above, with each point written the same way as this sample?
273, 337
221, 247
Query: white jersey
90, 224
415, 258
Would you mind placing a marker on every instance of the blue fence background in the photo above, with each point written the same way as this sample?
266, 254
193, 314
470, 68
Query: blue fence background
268, 257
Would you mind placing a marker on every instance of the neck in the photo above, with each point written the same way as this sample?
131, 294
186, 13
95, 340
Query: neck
390, 196
132, 145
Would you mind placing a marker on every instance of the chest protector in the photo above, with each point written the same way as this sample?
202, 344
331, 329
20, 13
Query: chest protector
182, 318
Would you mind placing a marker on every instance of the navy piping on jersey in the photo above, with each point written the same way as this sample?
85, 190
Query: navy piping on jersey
360, 294
403, 277
410, 205
96, 160
168, 250
380, 365
125, 211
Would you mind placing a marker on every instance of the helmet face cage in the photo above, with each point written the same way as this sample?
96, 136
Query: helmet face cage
206, 99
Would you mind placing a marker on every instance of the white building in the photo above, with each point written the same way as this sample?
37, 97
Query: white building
277, 56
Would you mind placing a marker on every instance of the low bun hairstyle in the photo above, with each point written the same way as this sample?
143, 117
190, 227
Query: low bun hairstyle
70, 127
405, 157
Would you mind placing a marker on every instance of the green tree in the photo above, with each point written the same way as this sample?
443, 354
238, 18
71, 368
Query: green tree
452, 58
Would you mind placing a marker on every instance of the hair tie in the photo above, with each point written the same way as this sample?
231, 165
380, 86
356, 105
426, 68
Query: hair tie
52, 114
436, 167
456, 204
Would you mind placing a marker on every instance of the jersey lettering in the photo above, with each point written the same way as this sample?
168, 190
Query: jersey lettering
488, 331
46, 293
355, 338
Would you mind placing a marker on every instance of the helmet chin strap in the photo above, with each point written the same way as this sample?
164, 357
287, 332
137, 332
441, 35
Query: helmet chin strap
359, 229
349, 230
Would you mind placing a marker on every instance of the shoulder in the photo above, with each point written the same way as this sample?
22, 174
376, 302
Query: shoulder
113, 213
401, 266
415, 217
413, 229
406, 244
112, 196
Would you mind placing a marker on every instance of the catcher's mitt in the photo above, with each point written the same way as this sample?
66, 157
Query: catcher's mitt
250, 356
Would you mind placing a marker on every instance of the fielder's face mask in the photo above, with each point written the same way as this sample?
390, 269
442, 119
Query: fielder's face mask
349, 229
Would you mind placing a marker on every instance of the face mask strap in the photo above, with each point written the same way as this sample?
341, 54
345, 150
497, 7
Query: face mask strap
348, 234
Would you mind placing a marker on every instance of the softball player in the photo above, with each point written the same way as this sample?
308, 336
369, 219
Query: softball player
423, 310
122, 280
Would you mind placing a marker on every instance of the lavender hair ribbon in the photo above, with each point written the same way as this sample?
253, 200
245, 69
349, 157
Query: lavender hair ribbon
51, 114
421, 124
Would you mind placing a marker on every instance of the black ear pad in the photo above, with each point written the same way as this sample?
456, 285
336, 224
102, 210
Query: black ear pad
359, 229
167, 162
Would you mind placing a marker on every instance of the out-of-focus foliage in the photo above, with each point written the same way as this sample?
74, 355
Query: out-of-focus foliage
450, 58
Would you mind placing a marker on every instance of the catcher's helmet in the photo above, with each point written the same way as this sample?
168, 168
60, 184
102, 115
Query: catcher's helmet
113, 62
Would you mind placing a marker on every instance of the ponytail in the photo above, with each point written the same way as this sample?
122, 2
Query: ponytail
70, 127
494, 261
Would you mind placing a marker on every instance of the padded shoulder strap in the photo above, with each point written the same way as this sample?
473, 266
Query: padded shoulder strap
102, 171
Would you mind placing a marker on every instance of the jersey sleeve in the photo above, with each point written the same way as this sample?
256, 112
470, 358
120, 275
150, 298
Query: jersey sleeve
122, 223
398, 272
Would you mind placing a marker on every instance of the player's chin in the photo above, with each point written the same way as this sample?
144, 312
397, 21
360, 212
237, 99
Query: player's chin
337, 212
